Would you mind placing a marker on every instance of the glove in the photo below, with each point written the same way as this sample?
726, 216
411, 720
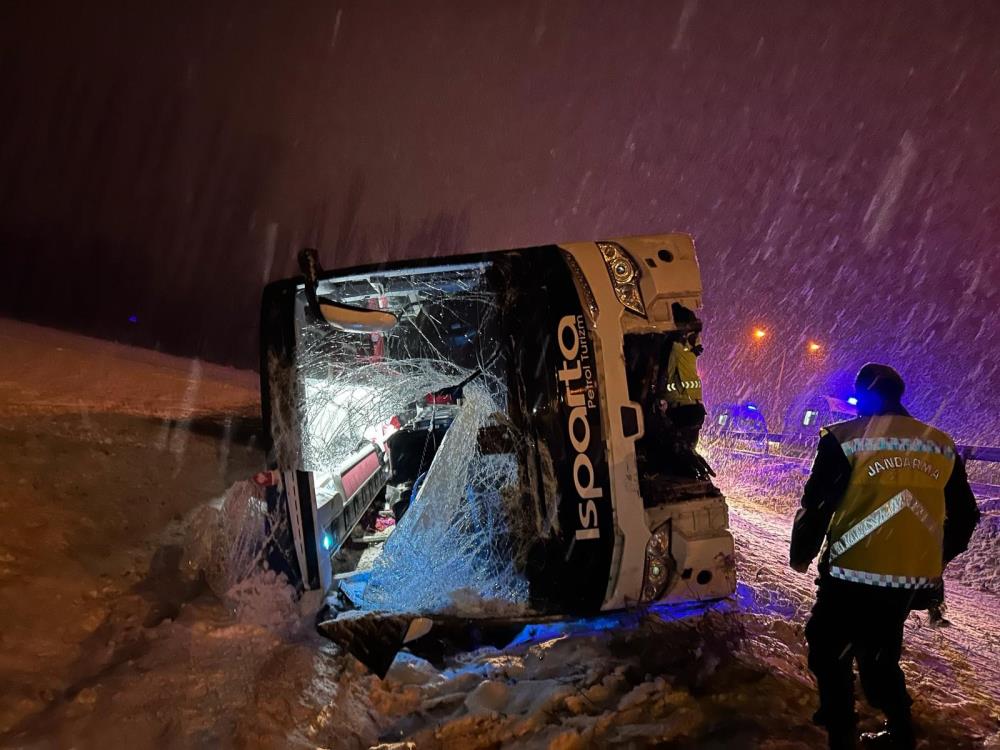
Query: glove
800, 567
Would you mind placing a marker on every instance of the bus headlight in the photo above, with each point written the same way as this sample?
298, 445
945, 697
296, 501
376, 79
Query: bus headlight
624, 276
659, 564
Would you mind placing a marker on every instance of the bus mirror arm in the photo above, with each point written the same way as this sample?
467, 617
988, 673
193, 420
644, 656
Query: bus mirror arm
343, 317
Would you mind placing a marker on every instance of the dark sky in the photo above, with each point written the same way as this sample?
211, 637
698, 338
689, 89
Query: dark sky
836, 162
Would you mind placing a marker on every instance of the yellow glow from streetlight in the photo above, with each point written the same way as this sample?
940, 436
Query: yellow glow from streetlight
759, 333
814, 347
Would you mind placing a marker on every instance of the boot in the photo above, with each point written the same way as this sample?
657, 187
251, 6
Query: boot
843, 739
842, 734
936, 618
896, 736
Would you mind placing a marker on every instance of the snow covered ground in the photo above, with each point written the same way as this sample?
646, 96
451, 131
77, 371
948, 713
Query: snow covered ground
110, 638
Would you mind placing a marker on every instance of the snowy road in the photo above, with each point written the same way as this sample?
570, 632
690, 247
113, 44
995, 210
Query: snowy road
957, 666
107, 449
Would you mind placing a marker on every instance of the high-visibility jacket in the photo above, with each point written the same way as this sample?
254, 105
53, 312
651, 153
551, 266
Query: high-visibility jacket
682, 386
888, 529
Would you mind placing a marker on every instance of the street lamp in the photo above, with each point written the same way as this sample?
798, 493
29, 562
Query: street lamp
758, 335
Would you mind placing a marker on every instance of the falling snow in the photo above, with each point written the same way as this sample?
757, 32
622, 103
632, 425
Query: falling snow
836, 163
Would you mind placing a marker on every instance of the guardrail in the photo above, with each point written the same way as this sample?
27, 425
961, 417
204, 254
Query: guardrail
985, 453
979, 453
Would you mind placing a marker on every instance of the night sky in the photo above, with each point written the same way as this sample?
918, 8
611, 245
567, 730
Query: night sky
836, 162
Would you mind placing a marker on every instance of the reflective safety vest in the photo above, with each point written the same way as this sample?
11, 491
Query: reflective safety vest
683, 386
889, 528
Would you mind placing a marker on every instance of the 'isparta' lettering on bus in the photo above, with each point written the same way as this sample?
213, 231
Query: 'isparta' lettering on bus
577, 377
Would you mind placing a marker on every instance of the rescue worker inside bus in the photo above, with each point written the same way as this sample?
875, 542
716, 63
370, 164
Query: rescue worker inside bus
678, 393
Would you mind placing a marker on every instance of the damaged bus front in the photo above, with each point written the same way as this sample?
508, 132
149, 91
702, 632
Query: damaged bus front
474, 435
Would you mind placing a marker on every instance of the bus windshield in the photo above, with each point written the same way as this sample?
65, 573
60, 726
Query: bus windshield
352, 383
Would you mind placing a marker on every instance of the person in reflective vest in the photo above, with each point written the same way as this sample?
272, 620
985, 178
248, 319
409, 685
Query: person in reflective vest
678, 393
683, 386
890, 497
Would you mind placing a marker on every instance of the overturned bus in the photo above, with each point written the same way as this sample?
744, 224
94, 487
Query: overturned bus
473, 434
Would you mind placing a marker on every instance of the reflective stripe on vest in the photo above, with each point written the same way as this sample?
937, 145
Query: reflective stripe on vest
906, 445
685, 385
885, 580
870, 523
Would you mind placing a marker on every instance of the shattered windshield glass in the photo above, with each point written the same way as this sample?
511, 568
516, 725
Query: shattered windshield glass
352, 383
464, 539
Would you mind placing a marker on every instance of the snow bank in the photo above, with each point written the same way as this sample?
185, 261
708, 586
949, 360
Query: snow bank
651, 683
132, 655
44, 371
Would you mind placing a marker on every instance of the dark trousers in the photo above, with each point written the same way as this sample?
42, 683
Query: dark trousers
671, 439
854, 622
687, 420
